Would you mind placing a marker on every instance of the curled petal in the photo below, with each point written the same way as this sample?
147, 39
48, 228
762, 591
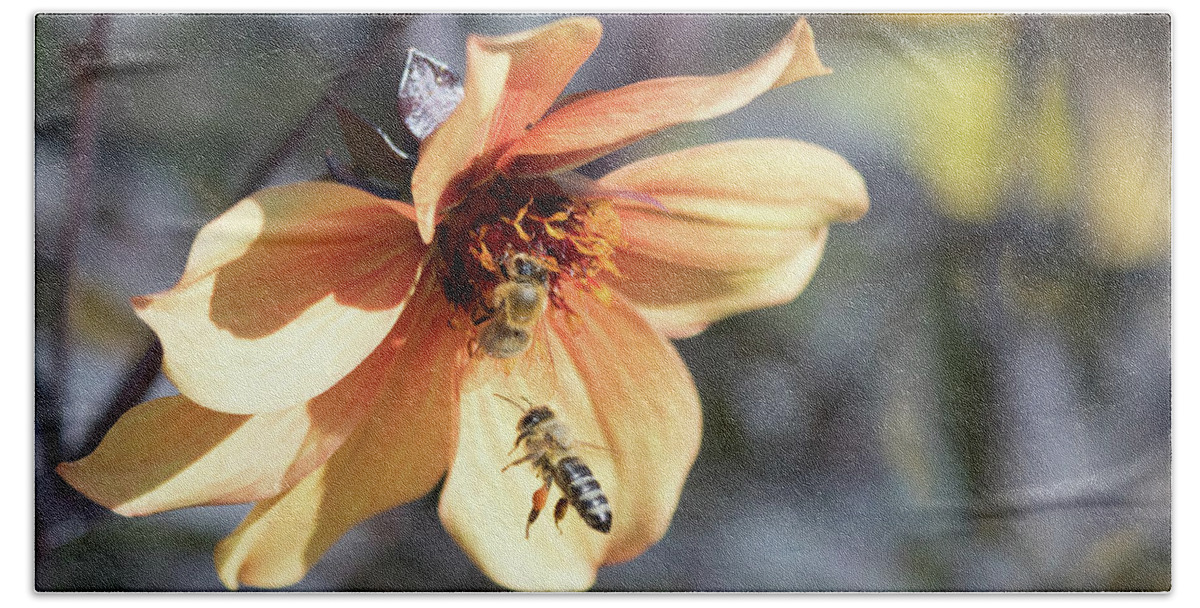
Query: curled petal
743, 225
394, 456
283, 295
626, 396
598, 124
510, 83
172, 453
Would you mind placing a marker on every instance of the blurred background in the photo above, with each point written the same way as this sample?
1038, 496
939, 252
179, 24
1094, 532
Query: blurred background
974, 392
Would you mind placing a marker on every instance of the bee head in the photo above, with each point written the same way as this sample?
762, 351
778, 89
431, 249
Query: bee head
523, 267
534, 417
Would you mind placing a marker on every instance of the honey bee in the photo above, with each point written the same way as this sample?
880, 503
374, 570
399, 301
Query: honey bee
548, 446
516, 306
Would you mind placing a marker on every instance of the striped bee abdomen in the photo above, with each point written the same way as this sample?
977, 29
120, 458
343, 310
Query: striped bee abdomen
575, 480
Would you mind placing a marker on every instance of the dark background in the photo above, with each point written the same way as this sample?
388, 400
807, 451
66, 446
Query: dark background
973, 393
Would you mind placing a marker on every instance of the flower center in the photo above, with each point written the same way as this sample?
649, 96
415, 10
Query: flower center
529, 231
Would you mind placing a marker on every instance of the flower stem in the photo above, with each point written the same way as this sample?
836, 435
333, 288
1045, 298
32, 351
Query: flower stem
84, 61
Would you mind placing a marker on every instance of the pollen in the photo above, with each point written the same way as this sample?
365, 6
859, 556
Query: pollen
554, 232
573, 238
481, 252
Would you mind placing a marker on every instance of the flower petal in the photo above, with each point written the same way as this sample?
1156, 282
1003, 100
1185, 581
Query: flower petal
680, 301
646, 402
598, 124
743, 226
510, 82
394, 456
620, 388
171, 453
283, 295
485, 510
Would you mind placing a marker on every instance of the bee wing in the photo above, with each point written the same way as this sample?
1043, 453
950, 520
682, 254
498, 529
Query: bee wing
592, 446
536, 366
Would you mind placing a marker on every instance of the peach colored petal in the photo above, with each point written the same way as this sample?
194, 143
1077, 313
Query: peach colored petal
680, 301
172, 453
394, 456
743, 227
485, 510
598, 124
620, 388
646, 402
134, 470
510, 82
283, 295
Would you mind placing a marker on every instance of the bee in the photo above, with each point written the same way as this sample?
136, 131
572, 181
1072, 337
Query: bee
516, 306
548, 446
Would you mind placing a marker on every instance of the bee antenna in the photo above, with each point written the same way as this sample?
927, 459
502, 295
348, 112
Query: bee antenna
513, 402
507, 255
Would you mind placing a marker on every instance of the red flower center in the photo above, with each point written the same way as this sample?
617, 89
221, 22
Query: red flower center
502, 220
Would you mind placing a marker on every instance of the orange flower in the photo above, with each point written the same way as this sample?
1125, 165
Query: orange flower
332, 348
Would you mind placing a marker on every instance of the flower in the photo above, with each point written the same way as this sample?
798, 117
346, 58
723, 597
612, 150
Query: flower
327, 343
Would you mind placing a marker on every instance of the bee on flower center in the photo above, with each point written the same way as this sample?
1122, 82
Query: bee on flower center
506, 250
549, 448
516, 306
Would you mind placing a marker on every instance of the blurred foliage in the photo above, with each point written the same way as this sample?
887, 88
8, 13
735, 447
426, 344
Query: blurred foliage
1068, 115
973, 393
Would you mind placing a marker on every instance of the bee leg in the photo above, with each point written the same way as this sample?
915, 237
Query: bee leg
520, 437
521, 460
539, 502
481, 315
560, 511
463, 321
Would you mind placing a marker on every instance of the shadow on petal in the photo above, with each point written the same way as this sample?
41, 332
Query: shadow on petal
486, 510
635, 416
256, 270
680, 300
172, 453
316, 242
646, 404
396, 455
744, 227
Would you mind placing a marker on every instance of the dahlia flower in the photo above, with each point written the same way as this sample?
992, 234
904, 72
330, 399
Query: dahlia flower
326, 343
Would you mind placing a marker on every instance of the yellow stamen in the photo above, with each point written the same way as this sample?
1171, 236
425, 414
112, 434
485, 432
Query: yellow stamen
603, 293
482, 254
550, 263
554, 232
590, 246
606, 263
